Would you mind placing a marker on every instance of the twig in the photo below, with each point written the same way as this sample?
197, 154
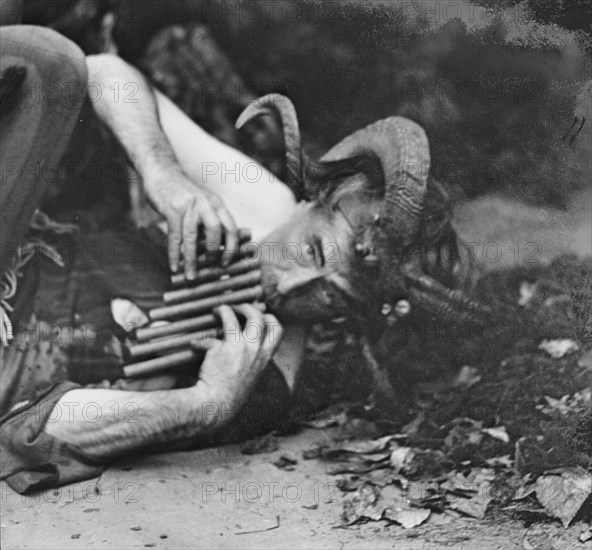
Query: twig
277, 519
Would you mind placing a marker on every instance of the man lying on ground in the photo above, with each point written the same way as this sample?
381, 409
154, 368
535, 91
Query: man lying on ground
368, 208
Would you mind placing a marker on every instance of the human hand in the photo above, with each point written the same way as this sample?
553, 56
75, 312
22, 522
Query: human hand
185, 206
232, 366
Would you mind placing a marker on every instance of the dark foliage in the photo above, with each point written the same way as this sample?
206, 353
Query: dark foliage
571, 14
501, 114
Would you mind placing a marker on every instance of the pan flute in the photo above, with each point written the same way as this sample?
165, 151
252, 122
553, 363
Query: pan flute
186, 315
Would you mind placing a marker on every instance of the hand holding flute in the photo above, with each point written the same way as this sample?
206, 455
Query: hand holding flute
189, 311
232, 365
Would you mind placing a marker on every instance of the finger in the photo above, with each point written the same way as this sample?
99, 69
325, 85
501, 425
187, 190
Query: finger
250, 313
175, 238
213, 227
231, 234
254, 322
190, 229
273, 333
230, 325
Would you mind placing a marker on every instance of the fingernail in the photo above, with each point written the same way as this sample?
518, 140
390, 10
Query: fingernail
174, 267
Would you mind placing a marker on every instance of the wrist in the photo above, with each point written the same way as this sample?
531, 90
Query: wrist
159, 175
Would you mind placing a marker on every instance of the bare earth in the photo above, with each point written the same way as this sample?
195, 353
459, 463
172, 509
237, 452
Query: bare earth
168, 501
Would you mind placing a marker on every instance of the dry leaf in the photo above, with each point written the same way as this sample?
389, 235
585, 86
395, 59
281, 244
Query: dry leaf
470, 494
498, 432
524, 491
527, 292
285, 462
399, 458
332, 416
563, 495
410, 461
354, 468
361, 505
504, 461
465, 431
371, 503
367, 446
558, 348
408, 518
467, 377
537, 538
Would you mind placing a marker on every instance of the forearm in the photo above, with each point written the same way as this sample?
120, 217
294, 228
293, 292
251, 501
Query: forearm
125, 102
106, 423
163, 142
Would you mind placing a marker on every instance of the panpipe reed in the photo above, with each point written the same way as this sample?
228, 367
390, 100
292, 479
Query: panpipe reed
176, 327
184, 325
188, 310
212, 259
174, 342
207, 304
242, 278
207, 274
144, 368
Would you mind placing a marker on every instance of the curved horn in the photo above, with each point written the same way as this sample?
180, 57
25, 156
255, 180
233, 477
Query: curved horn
281, 105
305, 177
402, 147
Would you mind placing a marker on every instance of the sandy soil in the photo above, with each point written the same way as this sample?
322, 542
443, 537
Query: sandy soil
173, 501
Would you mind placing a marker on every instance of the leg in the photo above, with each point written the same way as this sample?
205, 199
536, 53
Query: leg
44, 79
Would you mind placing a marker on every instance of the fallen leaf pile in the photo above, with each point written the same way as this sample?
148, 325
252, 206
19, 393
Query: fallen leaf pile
506, 432
384, 480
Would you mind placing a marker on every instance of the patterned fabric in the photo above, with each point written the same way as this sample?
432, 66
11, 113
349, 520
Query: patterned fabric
62, 338
30, 459
33, 378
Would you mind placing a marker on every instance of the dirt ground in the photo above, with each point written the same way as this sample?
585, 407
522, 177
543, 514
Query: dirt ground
173, 501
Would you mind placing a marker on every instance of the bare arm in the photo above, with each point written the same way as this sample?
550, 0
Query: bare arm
161, 141
108, 423
133, 420
255, 197
125, 101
